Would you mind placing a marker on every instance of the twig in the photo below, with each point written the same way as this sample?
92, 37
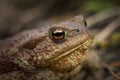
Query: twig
107, 31
115, 64
111, 71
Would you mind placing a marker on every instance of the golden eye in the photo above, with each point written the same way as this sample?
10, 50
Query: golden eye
58, 34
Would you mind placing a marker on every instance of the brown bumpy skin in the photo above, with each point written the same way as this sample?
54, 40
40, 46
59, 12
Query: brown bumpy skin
48, 53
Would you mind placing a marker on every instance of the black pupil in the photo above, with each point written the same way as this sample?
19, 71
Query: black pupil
58, 33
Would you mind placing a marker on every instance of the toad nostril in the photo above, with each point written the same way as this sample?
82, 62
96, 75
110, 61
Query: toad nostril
78, 30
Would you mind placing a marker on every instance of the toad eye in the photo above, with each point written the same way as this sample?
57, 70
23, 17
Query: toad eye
58, 34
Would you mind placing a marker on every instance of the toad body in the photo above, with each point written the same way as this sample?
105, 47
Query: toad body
48, 53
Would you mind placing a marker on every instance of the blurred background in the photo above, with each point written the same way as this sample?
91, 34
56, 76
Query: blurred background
102, 16
17, 15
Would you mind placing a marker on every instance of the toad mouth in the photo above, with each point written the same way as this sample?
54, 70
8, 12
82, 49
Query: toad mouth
81, 47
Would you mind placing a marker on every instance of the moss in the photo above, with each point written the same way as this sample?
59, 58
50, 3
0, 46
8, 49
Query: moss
96, 5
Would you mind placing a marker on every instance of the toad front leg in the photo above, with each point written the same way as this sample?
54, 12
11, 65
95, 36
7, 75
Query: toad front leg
92, 67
